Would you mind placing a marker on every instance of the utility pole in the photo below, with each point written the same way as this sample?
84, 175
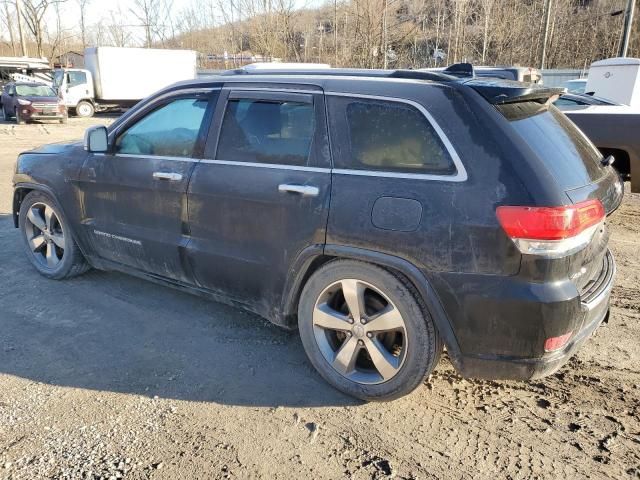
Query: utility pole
547, 15
626, 33
335, 33
20, 32
384, 35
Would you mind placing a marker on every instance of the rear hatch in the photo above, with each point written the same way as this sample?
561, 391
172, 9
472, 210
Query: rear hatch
574, 162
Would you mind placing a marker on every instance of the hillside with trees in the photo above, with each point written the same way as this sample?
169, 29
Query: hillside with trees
356, 33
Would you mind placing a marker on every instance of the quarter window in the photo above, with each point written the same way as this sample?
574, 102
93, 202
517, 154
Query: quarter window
390, 136
266, 131
171, 130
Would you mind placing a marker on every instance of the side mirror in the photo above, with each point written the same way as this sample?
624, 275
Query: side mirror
96, 139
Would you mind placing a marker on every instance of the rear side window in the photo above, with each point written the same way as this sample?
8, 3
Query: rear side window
388, 136
267, 131
565, 150
171, 130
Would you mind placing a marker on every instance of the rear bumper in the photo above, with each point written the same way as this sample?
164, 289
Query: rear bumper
593, 311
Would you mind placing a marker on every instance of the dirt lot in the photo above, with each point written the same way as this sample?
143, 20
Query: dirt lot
107, 376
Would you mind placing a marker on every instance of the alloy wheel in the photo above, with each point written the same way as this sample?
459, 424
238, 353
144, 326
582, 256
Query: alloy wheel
359, 331
45, 235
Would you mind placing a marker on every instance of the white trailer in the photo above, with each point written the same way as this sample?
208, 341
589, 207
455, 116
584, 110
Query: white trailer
116, 77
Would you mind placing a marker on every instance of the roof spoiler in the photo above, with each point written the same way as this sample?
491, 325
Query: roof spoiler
498, 92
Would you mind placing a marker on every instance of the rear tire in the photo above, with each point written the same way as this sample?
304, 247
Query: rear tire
365, 358
84, 109
47, 238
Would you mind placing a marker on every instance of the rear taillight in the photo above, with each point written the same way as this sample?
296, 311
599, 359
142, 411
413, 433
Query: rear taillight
552, 231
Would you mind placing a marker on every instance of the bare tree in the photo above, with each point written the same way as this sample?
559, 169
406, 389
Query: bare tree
118, 33
7, 20
33, 14
154, 17
83, 4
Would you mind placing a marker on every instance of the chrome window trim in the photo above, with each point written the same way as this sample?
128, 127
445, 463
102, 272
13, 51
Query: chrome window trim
277, 166
461, 172
231, 87
123, 127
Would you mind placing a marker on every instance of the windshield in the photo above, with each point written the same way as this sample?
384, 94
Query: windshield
58, 77
35, 91
565, 150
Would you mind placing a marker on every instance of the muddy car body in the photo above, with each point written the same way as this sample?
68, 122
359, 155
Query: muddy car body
385, 214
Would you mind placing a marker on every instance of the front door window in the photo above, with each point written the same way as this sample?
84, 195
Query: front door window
169, 131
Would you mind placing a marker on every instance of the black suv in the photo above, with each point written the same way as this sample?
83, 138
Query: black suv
386, 214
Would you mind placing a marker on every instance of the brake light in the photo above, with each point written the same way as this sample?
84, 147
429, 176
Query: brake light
552, 231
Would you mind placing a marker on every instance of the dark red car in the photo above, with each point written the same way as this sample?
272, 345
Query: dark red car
31, 101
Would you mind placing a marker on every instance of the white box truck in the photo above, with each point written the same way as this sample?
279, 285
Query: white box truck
616, 79
116, 77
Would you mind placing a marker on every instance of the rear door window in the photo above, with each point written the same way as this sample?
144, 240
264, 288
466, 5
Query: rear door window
267, 131
387, 136
568, 154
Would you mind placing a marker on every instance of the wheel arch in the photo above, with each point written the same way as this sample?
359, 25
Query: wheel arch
21, 190
312, 258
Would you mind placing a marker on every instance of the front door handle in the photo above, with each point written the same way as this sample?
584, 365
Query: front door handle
172, 177
304, 190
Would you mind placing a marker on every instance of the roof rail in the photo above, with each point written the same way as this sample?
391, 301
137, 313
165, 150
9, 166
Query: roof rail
344, 72
284, 66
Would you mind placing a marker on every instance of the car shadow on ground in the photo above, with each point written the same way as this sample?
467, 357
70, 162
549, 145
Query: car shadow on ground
112, 332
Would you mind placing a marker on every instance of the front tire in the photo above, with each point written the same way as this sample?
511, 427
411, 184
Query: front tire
367, 331
18, 118
47, 238
84, 109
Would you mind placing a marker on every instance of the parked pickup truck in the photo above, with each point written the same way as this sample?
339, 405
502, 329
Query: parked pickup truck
612, 127
121, 77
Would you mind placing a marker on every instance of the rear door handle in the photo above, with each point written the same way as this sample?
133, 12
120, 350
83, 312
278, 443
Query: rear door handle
304, 190
172, 177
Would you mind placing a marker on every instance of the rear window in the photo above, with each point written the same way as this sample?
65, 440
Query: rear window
565, 150
388, 136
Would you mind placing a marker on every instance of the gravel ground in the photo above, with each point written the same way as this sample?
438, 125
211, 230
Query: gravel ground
107, 376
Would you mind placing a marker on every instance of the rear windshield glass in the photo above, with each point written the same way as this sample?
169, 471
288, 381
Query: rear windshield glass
565, 150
